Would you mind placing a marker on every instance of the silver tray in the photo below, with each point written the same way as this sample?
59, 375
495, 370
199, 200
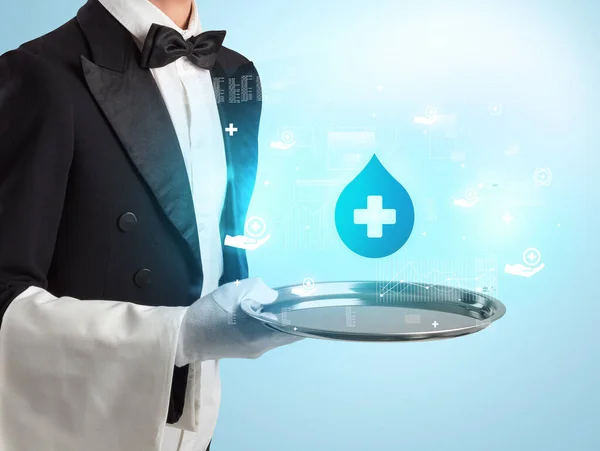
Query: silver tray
377, 311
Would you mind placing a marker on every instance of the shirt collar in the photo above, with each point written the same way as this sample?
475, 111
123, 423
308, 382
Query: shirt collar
138, 15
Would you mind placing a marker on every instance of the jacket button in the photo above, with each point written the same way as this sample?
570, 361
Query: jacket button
127, 222
143, 277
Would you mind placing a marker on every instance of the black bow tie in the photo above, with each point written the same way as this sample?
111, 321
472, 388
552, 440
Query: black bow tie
163, 45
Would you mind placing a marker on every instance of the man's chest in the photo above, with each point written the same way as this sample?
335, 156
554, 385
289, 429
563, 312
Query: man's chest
168, 156
188, 94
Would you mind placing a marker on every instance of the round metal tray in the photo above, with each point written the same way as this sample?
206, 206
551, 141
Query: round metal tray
377, 311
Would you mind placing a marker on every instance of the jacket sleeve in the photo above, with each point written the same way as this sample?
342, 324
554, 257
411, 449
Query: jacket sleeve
36, 148
74, 374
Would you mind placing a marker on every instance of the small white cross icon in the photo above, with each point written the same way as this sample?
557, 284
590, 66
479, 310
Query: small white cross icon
375, 216
231, 129
435, 324
237, 283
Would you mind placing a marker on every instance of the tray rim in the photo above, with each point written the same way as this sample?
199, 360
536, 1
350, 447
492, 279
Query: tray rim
498, 312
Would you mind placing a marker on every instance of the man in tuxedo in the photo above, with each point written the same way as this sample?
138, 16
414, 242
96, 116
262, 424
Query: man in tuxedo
128, 151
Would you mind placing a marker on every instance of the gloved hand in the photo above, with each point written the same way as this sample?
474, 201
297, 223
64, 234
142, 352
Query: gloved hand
215, 327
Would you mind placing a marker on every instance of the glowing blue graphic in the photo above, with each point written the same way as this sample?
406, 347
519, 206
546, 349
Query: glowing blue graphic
374, 215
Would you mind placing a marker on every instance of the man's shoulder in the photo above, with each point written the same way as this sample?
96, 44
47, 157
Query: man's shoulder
64, 43
233, 61
40, 63
58, 48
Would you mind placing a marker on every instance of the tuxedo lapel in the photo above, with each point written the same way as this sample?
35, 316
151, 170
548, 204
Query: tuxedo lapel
241, 144
234, 263
219, 73
134, 107
229, 73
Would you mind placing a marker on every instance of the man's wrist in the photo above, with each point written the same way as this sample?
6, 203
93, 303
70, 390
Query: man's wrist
181, 357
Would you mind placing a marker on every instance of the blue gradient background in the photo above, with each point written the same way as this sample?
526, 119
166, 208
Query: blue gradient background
531, 380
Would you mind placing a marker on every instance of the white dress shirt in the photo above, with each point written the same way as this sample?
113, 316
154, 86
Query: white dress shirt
190, 100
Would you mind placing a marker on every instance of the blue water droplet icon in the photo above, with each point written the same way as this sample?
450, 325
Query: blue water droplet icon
374, 214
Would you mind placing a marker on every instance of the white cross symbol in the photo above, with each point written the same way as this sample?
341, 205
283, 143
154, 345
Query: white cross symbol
375, 216
255, 226
435, 324
231, 129
237, 283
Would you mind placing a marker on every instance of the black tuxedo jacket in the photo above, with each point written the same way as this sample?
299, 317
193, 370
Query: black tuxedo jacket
95, 201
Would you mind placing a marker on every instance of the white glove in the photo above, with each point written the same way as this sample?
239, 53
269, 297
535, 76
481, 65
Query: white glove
215, 327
